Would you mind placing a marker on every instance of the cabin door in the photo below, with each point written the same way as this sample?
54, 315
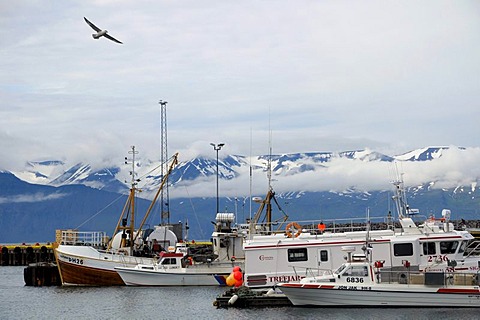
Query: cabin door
324, 259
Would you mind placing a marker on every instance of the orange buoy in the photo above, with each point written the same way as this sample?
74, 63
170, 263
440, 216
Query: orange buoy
321, 226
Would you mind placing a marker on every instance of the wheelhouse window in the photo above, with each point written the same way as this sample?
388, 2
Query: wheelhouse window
297, 254
462, 247
323, 255
447, 247
403, 249
429, 248
168, 261
356, 271
340, 269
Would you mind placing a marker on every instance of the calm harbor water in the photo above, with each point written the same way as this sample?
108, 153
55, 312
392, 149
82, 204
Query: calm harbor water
18, 301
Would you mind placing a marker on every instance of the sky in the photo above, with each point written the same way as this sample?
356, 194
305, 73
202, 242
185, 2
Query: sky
296, 76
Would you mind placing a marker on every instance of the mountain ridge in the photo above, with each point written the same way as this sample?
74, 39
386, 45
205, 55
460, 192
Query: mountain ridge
114, 179
76, 196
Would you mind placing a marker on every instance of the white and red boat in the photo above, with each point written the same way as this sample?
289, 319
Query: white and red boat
431, 245
361, 283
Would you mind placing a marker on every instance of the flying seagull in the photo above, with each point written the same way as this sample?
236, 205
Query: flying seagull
100, 32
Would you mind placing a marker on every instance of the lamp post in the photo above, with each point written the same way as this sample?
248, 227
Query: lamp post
217, 147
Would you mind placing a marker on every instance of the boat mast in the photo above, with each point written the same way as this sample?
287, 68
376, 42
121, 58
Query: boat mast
268, 211
134, 182
155, 198
267, 203
367, 248
128, 209
400, 199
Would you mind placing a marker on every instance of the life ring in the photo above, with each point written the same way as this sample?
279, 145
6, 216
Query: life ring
293, 225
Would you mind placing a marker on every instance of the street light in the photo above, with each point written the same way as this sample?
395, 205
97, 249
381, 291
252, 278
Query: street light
217, 147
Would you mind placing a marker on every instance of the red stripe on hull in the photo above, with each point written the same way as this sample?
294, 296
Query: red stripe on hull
455, 290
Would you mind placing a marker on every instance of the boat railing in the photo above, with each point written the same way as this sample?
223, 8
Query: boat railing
96, 239
473, 248
403, 277
301, 272
128, 260
327, 225
428, 278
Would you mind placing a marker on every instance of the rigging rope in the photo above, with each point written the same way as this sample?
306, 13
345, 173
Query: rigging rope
96, 214
195, 213
111, 203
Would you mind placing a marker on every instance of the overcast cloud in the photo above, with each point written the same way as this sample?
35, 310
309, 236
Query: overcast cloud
335, 75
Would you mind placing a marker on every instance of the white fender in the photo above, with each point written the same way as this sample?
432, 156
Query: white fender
232, 300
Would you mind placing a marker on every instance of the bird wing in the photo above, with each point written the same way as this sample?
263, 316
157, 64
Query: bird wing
106, 35
94, 27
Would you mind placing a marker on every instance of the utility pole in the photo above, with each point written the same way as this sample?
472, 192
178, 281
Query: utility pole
164, 197
217, 147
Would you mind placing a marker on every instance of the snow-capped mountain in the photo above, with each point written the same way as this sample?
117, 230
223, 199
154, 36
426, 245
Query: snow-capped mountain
423, 154
51, 195
116, 179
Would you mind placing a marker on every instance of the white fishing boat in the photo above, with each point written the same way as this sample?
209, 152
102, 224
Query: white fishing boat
361, 283
431, 245
177, 269
87, 259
